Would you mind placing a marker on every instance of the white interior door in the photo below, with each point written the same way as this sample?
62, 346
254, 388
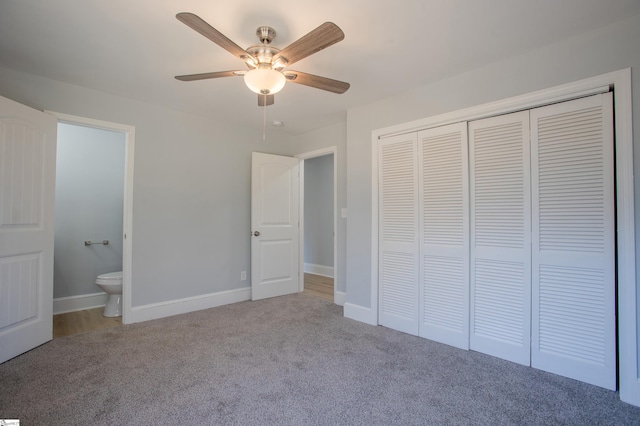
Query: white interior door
275, 214
573, 323
444, 234
398, 273
501, 237
27, 185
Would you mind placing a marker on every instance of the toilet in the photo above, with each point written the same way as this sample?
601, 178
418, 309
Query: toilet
111, 284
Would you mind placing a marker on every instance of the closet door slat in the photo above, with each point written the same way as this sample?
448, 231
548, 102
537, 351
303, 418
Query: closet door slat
500, 237
573, 255
398, 273
444, 233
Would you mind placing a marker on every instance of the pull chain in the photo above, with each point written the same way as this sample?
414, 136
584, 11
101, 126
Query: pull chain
264, 123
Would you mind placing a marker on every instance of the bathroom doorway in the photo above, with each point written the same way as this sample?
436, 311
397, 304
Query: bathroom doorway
93, 220
318, 236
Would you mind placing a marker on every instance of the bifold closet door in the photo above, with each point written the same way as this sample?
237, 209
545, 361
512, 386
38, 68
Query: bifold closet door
398, 274
573, 240
444, 234
500, 237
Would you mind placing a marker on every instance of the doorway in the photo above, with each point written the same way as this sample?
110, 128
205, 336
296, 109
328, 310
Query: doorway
318, 236
93, 215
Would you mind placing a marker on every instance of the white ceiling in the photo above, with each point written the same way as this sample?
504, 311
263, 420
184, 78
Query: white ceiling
134, 48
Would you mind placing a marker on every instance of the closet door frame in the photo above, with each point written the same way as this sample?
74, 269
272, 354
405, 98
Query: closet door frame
620, 83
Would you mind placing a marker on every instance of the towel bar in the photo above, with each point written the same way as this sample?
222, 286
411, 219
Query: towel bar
103, 242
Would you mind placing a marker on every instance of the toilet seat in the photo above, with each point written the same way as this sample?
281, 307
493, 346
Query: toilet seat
110, 278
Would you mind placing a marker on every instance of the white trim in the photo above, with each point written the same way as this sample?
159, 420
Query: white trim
504, 106
189, 304
325, 271
361, 313
621, 82
340, 298
627, 309
62, 305
127, 225
374, 231
318, 153
301, 226
330, 150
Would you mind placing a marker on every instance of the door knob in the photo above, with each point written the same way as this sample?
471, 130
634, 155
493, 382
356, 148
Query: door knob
256, 233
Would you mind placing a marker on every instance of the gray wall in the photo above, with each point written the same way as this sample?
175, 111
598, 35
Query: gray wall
89, 201
607, 49
334, 135
191, 195
318, 211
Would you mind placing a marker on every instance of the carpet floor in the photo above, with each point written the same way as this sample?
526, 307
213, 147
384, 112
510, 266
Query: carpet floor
292, 360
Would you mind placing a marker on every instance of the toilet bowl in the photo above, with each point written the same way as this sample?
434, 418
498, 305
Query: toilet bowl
111, 284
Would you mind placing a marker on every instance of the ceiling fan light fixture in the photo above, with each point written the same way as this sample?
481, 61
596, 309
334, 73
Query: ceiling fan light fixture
264, 81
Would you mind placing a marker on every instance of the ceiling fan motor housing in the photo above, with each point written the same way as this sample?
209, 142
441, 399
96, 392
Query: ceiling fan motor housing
264, 52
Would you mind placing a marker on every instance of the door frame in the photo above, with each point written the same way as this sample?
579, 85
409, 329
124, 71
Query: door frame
127, 241
307, 156
620, 82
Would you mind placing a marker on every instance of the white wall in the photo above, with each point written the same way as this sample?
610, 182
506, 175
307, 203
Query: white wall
89, 201
318, 211
333, 135
191, 194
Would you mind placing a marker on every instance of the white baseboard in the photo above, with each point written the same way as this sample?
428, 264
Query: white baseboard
63, 305
189, 304
339, 298
310, 268
359, 313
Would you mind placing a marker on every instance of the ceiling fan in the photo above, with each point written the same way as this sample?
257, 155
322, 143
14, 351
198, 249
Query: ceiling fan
267, 74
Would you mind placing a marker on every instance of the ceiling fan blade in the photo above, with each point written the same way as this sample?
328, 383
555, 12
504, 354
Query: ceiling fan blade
323, 36
198, 24
316, 81
206, 75
266, 100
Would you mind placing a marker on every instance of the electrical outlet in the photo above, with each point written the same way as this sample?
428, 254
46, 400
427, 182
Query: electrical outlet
243, 276
344, 212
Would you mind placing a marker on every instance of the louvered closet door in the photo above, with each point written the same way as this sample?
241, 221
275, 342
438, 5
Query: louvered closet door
398, 233
444, 234
500, 237
573, 240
